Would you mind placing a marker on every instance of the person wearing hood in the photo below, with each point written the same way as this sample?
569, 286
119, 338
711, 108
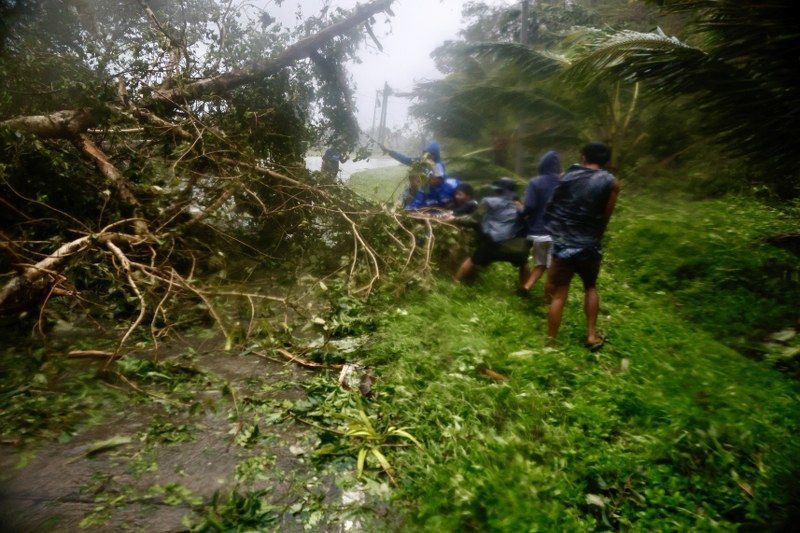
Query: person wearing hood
432, 153
537, 196
577, 217
501, 234
331, 160
437, 193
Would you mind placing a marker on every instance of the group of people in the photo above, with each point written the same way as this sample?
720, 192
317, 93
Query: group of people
559, 223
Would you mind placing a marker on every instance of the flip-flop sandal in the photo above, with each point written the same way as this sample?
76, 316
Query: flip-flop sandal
595, 346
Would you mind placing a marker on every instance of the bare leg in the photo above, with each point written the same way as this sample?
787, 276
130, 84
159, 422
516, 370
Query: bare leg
524, 274
591, 306
465, 270
559, 295
548, 291
536, 274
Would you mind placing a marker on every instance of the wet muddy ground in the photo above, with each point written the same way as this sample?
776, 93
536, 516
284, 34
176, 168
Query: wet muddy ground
167, 455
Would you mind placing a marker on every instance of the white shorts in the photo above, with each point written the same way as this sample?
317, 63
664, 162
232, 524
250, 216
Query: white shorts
541, 250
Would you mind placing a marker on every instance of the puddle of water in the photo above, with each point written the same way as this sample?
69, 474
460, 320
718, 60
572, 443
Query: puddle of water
348, 168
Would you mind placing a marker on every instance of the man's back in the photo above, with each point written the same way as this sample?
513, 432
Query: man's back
575, 215
500, 220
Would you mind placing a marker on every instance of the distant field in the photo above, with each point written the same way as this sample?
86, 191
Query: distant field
379, 184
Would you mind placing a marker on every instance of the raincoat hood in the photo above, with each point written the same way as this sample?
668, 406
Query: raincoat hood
550, 164
435, 151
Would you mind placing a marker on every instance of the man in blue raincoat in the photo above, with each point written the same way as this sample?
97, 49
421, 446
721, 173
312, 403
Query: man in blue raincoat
432, 152
437, 193
439, 190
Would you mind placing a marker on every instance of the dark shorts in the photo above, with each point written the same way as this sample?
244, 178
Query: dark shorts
562, 270
514, 251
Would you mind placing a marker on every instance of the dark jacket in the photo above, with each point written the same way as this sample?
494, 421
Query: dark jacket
575, 215
540, 190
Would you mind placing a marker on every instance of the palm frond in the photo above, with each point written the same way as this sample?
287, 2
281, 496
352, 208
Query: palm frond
746, 110
530, 63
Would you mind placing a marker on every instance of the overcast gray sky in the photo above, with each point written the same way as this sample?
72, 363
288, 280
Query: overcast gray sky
408, 38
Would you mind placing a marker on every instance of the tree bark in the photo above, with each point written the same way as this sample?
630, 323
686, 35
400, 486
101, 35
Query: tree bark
61, 124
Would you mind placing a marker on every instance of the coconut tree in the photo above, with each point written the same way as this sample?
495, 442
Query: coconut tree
737, 68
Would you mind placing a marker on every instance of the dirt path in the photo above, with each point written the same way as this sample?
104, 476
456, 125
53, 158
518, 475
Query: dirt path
175, 458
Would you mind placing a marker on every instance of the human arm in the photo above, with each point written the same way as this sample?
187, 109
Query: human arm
530, 202
611, 204
417, 202
404, 159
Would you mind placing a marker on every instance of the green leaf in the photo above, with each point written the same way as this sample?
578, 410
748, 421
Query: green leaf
382, 460
362, 457
107, 444
407, 435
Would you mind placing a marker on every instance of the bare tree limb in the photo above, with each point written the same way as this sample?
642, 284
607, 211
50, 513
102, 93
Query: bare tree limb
126, 267
61, 124
299, 50
48, 264
113, 175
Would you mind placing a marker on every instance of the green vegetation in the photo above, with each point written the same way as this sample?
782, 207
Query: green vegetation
383, 185
711, 259
190, 318
45, 399
665, 429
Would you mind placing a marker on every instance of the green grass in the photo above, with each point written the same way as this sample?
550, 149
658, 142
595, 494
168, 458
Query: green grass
711, 259
665, 429
380, 184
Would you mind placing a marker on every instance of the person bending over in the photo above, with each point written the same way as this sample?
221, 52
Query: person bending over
500, 233
537, 196
464, 202
436, 194
577, 217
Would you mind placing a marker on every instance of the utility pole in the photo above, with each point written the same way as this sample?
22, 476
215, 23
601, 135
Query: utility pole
375, 111
382, 130
519, 148
524, 15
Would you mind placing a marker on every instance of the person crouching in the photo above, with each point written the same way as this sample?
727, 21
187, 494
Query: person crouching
464, 202
501, 233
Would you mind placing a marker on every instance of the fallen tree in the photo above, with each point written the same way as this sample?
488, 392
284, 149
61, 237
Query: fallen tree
167, 165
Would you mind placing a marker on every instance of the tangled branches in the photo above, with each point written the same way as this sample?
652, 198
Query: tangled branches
154, 187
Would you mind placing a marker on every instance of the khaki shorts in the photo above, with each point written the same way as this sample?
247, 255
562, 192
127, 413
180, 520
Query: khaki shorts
541, 250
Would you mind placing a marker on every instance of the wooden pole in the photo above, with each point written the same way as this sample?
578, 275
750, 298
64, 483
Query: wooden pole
382, 131
375, 111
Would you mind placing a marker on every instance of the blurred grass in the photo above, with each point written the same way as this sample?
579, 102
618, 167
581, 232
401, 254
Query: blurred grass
711, 260
384, 185
665, 429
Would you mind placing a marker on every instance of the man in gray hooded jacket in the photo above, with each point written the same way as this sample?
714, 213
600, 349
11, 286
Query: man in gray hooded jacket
501, 232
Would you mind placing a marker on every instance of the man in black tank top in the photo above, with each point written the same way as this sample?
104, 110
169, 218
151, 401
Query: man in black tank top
577, 217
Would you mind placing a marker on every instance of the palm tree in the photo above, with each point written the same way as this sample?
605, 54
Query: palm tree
738, 68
